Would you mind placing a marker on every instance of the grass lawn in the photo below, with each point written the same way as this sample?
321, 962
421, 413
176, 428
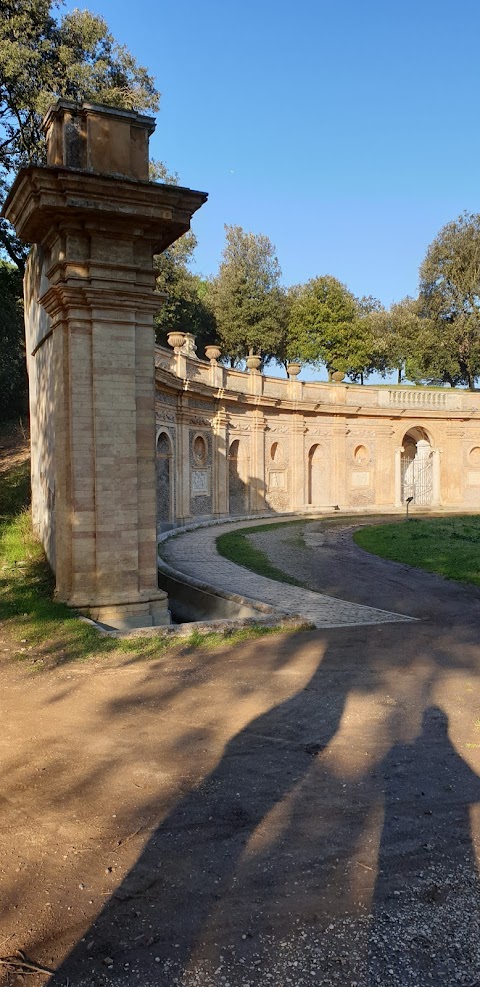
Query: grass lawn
36, 627
449, 546
235, 546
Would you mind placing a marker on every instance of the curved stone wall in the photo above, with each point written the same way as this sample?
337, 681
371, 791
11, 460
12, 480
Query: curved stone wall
243, 443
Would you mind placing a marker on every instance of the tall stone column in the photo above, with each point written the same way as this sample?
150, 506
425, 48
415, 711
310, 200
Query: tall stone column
436, 489
384, 466
339, 493
398, 477
298, 496
183, 462
220, 464
257, 462
98, 222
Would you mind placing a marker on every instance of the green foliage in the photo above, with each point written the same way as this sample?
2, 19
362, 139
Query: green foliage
50, 633
368, 356
447, 546
246, 297
14, 491
329, 326
400, 339
450, 301
42, 59
186, 306
13, 374
26, 582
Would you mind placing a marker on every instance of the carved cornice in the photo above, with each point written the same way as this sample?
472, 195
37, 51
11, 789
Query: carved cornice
96, 299
46, 197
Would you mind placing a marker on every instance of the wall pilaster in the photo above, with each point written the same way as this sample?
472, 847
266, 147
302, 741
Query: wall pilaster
257, 462
220, 463
183, 467
299, 467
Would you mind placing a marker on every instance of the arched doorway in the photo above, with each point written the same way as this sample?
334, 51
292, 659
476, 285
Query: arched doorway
317, 479
417, 480
165, 479
237, 488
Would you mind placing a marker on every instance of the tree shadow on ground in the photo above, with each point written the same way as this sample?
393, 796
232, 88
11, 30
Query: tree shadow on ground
286, 830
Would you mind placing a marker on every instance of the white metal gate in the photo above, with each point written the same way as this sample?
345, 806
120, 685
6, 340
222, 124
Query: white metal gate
417, 479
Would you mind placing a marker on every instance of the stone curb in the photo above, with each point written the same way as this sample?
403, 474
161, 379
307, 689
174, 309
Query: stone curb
204, 627
252, 523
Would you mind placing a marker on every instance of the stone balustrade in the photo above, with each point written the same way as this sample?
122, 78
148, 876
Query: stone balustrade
422, 399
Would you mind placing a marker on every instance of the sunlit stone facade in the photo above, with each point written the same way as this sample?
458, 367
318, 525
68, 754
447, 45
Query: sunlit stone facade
276, 445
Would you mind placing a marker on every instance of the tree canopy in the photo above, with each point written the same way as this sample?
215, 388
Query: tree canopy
434, 338
186, 306
246, 297
13, 373
450, 300
327, 326
43, 58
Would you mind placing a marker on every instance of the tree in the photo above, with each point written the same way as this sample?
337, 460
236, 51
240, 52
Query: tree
284, 352
366, 325
42, 59
186, 306
402, 340
13, 374
247, 300
450, 300
328, 327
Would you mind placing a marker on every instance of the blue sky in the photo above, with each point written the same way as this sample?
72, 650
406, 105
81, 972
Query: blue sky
345, 131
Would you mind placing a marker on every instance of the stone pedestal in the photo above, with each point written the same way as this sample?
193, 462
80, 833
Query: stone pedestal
99, 222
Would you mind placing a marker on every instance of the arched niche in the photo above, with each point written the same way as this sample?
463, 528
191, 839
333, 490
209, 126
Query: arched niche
237, 479
276, 453
418, 481
317, 478
165, 478
199, 449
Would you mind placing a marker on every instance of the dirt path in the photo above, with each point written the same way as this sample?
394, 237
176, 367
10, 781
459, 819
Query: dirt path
299, 809
330, 562
14, 445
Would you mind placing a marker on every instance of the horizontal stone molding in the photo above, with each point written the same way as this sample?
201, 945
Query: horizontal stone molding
316, 396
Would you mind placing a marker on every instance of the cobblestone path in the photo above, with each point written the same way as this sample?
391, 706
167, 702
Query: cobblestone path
195, 554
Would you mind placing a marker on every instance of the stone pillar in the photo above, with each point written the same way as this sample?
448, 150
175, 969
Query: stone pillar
452, 470
398, 477
436, 491
339, 492
298, 498
183, 462
384, 466
99, 221
257, 463
220, 464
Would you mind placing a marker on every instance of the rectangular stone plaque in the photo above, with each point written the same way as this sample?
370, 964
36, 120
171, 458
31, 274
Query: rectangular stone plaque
361, 479
276, 480
474, 478
199, 481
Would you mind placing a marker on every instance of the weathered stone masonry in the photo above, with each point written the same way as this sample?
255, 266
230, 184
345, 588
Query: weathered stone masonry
283, 445
90, 299
115, 458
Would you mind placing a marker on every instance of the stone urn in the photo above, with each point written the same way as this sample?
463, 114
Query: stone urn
213, 353
338, 376
253, 361
293, 368
176, 340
